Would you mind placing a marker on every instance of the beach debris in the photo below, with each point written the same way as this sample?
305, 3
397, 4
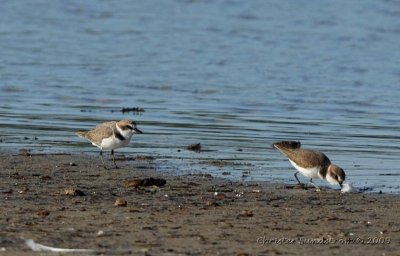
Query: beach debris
73, 192
120, 202
135, 110
194, 147
135, 183
36, 247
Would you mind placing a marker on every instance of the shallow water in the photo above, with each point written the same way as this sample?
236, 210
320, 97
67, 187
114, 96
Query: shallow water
232, 75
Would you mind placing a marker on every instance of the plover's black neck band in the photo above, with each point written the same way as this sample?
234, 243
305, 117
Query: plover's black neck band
119, 136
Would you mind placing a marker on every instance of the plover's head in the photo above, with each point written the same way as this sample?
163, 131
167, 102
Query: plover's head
128, 125
335, 175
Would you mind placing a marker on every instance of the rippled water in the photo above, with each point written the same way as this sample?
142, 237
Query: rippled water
232, 75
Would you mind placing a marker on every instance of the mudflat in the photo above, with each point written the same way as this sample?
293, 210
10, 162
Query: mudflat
69, 201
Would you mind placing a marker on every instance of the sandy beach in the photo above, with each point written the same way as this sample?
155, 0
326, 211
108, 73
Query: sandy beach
68, 201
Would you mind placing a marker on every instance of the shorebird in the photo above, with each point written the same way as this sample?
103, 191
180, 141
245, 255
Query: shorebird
111, 135
311, 163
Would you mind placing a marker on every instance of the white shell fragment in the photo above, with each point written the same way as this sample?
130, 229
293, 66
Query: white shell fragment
43, 248
347, 188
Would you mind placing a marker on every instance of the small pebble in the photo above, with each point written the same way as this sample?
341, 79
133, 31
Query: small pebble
23, 190
219, 196
42, 213
211, 203
24, 152
120, 202
246, 213
300, 186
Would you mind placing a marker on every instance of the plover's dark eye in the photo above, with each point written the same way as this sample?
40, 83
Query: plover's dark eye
127, 127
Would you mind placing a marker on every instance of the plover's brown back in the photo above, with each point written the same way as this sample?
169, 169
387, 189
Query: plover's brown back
100, 132
307, 158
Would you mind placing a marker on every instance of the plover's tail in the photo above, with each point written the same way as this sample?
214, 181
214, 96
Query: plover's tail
287, 144
81, 134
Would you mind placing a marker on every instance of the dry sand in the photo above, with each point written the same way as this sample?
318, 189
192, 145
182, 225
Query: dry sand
68, 201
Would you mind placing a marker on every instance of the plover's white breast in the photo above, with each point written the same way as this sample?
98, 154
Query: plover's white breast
114, 142
110, 143
311, 173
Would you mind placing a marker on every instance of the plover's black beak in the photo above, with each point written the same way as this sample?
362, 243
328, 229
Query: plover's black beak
137, 130
340, 184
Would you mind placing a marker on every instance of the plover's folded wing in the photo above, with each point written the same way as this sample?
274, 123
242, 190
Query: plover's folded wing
101, 132
308, 158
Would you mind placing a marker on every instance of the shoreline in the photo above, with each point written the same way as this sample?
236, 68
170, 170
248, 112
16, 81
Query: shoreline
191, 214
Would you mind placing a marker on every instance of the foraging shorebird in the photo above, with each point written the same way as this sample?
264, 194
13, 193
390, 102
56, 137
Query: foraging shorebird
111, 135
311, 163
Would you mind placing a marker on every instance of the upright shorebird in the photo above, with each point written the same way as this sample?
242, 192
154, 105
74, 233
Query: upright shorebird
311, 163
111, 135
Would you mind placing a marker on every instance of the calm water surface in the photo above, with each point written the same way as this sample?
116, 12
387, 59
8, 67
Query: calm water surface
232, 75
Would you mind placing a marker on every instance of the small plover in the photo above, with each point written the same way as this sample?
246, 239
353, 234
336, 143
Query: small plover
111, 135
311, 163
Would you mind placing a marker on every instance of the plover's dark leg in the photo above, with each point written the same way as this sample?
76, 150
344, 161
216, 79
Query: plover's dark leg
101, 158
295, 175
113, 157
314, 185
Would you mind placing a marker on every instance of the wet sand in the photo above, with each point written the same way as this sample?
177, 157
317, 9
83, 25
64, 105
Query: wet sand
68, 201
